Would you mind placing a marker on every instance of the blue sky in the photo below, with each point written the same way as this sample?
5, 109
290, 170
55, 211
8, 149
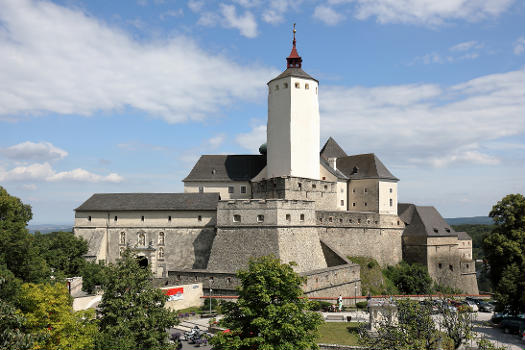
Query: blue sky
123, 96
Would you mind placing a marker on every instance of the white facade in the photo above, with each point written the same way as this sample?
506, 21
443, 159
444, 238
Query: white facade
293, 128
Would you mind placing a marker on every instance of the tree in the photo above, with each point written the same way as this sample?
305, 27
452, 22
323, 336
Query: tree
51, 319
505, 252
93, 274
133, 313
11, 323
269, 313
457, 324
410, 278
413, 330
17, 251
62, 251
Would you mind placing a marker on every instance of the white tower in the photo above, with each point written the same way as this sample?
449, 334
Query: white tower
293, 122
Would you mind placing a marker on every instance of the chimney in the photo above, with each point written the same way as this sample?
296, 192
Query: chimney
332, 162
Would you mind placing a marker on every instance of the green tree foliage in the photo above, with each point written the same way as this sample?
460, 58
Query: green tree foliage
93, 274
17, 251
11, 323
62, 251
50, 318
374, 281
477, 232
414, 330
457, 324
133, 313
505, 251
269, 313
410, 278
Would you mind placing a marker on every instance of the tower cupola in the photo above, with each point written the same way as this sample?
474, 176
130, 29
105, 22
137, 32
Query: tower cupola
294, 60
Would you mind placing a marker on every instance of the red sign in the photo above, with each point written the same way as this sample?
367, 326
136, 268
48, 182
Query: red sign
174, 293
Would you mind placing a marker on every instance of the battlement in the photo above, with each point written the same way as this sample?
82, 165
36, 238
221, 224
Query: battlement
265, 212
337, 218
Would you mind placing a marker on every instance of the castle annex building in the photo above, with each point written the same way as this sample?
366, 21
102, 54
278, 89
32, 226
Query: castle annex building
306, 206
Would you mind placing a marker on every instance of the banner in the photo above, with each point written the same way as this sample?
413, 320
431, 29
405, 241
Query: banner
175, 293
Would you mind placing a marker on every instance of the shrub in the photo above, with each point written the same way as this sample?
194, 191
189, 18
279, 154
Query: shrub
361, 304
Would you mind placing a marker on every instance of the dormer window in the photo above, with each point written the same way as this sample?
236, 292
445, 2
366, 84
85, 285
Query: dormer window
355, 170
447, 229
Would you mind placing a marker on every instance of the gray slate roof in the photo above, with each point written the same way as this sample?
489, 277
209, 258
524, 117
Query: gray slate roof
294, 72
423, 221
332, 150
150, 201
227, 168
364, 166
463, 236
333, 171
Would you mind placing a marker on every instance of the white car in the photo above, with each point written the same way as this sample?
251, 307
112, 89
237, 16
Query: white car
472, 305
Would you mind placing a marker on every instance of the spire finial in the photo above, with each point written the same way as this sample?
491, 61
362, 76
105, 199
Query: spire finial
294, 60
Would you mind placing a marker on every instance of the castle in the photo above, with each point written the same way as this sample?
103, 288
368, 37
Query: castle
313, 208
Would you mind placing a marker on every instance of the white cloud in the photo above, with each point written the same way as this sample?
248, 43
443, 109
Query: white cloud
216, 141
245, 23
195, 6
171, 13
44, 172
85, 66
427, 123
519, 46
426, 12
327, 15
467, 45
253, 139
29, 187
41, 151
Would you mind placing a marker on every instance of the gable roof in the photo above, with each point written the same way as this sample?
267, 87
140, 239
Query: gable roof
364, 166
332, 150
424, 221
226, 168
463, 236
294, 72
150, 201
333, 171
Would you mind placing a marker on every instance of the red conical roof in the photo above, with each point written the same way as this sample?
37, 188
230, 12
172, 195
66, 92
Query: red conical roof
294, 60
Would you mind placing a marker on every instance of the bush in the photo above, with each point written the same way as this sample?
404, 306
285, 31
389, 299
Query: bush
361, 304
372, 264
410, 278
206, 306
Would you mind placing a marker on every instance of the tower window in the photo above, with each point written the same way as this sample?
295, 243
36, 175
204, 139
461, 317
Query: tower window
301, 217
366, 204
342, 202
231, 189
89, 218
366, 190
260, 218
353, 190
314, 186
391, 202
297, 85
169, 218
325, 187
300, 185
451, 268
115, 218
330, 219
243, 189
142, 218
439, 265
390, 190
201, 189
306, 86
288, 217
286, 85
353, 204
199, 218
324, 177
236, 218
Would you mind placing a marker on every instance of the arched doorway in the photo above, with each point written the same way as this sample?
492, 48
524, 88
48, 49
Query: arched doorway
143, 261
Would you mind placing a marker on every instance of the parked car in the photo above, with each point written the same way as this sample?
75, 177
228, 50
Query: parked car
443, 305
485, 307
472, 305
476, 301
512, 324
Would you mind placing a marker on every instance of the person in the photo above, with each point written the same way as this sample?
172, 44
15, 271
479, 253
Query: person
340, 303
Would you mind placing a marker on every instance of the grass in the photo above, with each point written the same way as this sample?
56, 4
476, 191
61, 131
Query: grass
373, 279
342, 333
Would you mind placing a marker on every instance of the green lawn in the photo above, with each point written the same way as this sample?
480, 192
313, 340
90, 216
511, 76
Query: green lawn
343, 333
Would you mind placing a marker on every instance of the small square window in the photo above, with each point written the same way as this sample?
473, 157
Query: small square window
314, 186
358, 221
142, 218
366, 204
353, 204
342, 202
451, 268
199, 218
236, 218
231, 189
260, 218
353, 190
243, 189
115, 218
324, 177
341, 221
301, 217
391, 202
297, 85
390, 190
306, 86
330, 219
300, 185
201, 189
439, 265
288, 217
325, 187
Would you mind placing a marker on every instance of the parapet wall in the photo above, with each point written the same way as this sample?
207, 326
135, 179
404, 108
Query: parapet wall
363, 234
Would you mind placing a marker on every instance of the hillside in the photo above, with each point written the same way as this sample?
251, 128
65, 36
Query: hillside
473, 220
372, 278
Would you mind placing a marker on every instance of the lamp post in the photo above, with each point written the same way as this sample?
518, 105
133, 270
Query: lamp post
210, 281
355, 299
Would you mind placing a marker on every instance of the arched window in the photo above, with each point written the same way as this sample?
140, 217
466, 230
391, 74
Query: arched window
161, 253
142, 239
161, 238
123, 238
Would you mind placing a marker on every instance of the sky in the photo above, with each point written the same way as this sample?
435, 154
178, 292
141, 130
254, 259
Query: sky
124, 96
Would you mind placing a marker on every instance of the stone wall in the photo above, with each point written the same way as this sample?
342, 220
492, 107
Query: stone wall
252, 228
324, 193
363, 234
